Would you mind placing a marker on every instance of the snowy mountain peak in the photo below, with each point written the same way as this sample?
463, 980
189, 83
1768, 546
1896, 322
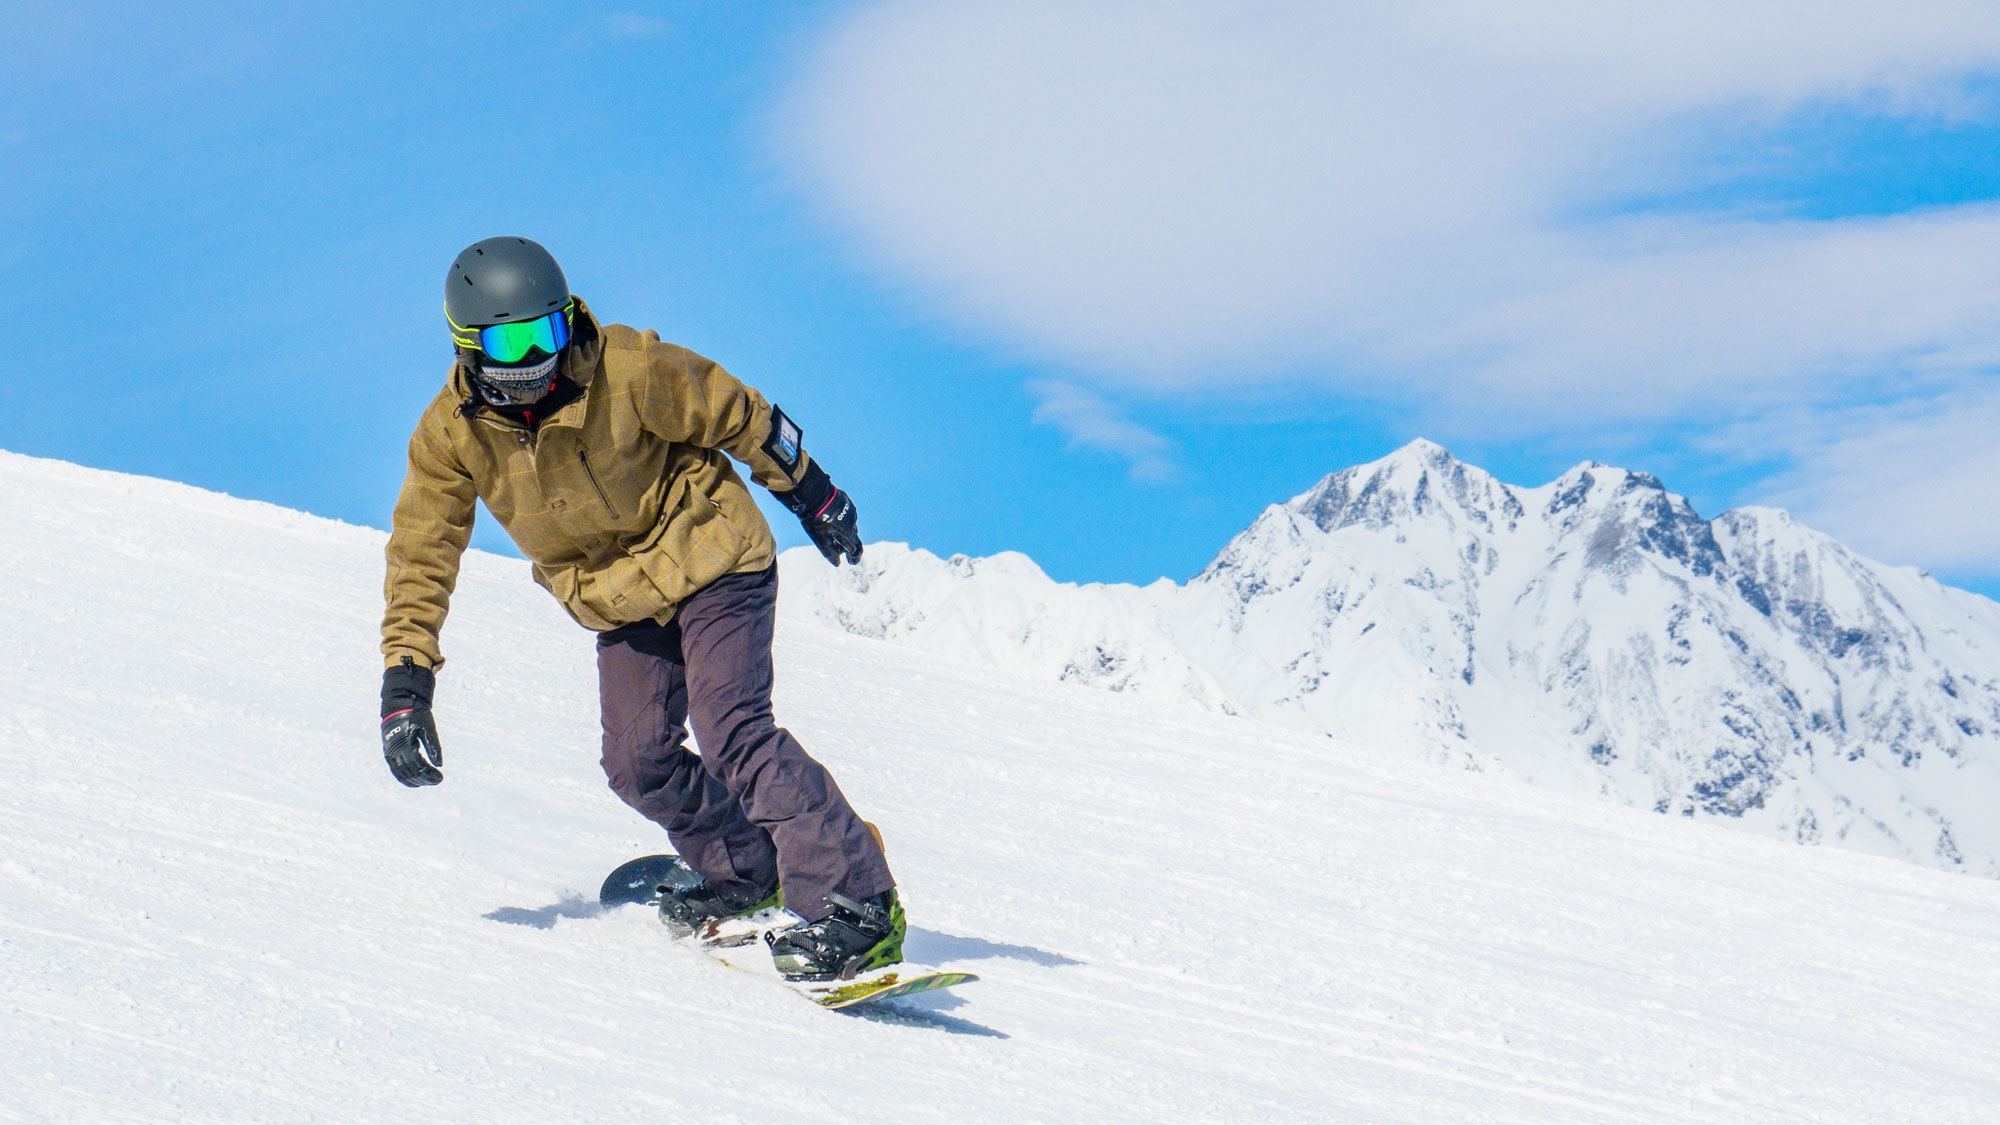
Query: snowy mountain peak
1419, 480
1594, 634
1617, 514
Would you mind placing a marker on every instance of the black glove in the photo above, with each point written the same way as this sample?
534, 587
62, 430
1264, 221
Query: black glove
409, 734
827, 513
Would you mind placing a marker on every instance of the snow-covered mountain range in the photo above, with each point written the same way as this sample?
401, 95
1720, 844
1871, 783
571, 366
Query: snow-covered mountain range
1594, 635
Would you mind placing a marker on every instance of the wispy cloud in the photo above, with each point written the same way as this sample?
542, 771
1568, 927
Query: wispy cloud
1090, 422
1915, 481
1417, 202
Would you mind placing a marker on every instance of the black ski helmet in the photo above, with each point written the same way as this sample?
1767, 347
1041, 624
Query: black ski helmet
497, 280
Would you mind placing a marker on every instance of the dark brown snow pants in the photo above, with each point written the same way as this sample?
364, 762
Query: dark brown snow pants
753, 809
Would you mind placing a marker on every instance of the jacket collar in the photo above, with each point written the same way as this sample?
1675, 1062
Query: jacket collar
586, 347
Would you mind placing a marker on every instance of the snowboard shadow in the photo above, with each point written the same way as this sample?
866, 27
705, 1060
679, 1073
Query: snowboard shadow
923, 1010
934, 947
544, 917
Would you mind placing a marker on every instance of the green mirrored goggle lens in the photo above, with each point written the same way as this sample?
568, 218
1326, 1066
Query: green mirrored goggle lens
511, 343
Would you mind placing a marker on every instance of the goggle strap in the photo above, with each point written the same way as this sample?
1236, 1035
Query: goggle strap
471, 337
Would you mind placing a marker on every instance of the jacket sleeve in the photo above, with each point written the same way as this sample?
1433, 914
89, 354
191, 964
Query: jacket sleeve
688, 398
432, 524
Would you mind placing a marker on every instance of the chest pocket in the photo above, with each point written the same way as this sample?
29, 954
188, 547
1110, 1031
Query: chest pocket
597, 485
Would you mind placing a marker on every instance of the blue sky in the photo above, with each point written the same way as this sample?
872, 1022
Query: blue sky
1022, 289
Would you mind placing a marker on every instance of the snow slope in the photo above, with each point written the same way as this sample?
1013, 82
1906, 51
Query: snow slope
1594, 635
216, 905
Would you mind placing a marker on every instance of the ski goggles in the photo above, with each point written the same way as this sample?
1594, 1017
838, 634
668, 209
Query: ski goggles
511, 343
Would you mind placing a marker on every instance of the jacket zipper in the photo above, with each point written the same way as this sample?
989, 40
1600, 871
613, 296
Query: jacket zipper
584, 459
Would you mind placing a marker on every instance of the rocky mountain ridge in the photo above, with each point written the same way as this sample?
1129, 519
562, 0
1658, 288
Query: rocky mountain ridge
1595, 634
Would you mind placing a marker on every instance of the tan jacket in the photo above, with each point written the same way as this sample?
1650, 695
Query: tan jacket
623, 499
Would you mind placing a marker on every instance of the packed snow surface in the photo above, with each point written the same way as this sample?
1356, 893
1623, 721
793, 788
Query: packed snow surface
215, 904
1594, 635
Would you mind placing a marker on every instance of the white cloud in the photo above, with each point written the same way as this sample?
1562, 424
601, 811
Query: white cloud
1732, 313
1419, 202
1179, 193
1092, 423
1912, 482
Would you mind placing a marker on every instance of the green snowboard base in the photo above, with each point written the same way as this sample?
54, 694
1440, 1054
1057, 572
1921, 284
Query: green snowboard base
884, 984
639, 882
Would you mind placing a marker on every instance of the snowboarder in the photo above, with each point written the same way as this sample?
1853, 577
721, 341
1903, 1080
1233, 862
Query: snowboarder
605, 453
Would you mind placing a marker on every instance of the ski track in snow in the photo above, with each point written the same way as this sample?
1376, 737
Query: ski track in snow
215, 904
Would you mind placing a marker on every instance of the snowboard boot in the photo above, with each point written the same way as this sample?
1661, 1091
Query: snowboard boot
702, 909
855, 938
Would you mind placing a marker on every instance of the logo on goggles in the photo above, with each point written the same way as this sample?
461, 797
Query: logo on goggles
511, 343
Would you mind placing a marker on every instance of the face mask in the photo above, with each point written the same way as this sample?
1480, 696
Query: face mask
515, 386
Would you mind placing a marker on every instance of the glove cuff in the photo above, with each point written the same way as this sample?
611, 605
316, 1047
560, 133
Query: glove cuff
810, 495
407, 685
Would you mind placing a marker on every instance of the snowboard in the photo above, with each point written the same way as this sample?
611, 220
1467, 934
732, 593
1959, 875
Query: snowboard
738, 942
